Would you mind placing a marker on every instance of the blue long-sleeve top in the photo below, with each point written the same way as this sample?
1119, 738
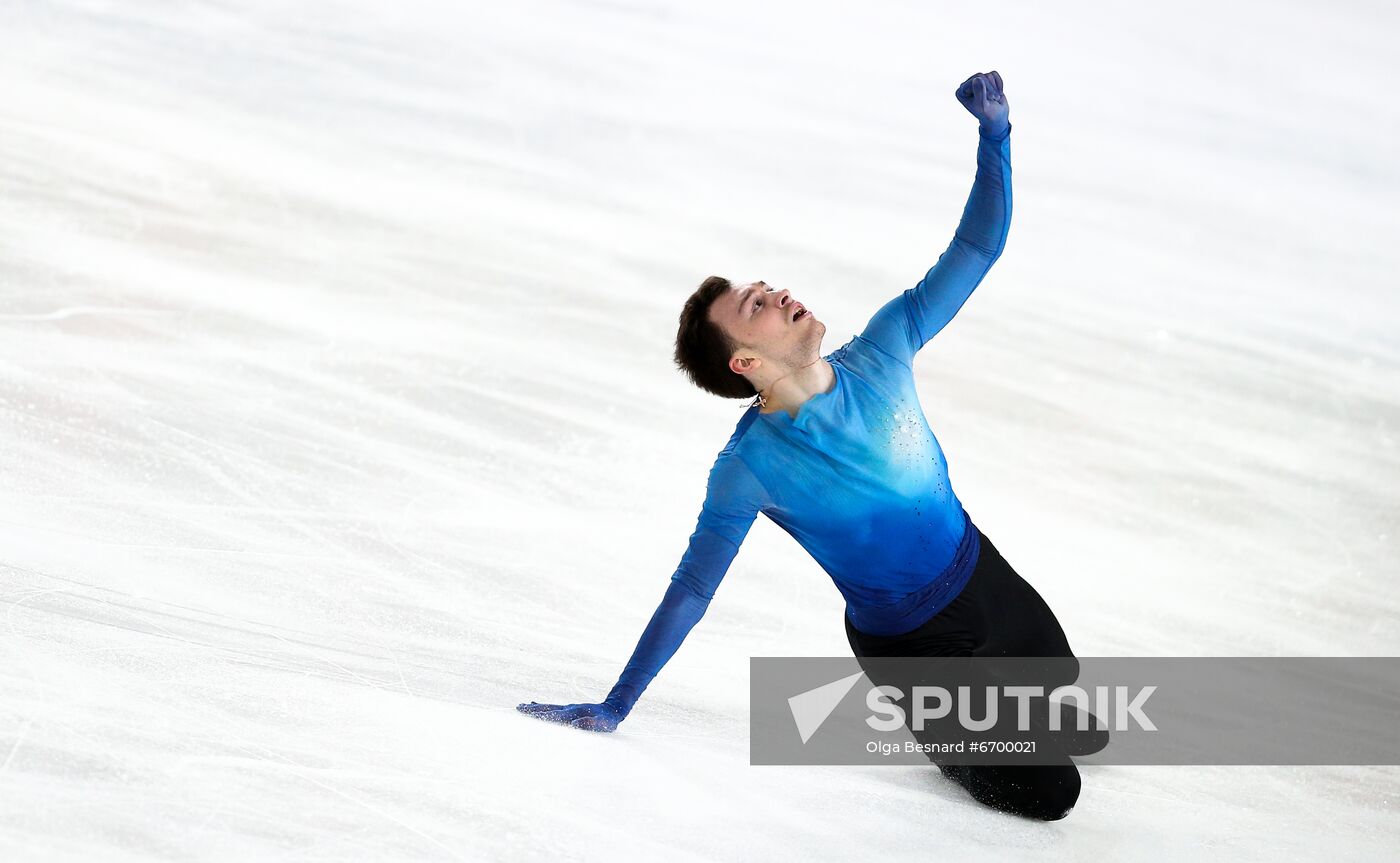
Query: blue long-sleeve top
857, 476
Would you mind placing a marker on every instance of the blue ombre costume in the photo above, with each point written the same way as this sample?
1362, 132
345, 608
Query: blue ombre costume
857, 477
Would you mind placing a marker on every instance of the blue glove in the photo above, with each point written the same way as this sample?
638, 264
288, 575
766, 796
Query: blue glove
590, 717
982, 96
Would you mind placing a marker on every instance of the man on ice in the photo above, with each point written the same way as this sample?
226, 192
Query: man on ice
835, 450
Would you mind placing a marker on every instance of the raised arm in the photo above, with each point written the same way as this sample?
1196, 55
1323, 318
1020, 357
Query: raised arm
732, 502
906, 323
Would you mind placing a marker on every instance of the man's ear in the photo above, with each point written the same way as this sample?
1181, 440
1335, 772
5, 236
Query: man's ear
741, 365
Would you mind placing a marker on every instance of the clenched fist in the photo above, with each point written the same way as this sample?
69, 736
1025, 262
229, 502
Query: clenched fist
982, 96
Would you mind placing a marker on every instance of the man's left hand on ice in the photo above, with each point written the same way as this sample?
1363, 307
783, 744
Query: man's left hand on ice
589, 717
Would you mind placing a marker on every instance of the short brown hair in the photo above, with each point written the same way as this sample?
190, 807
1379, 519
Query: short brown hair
703, 348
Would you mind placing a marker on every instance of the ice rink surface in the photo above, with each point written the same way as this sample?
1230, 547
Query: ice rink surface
337, 413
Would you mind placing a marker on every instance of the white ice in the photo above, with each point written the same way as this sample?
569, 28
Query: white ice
337, 413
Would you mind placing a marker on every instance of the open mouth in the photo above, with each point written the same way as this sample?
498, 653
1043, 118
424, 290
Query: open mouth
801, 313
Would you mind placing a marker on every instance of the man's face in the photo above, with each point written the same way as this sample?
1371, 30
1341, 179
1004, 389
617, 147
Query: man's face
767, 323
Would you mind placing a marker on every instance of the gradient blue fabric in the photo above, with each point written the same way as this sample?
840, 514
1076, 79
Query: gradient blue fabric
857, 477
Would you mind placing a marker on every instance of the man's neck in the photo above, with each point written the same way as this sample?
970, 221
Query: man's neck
790, 392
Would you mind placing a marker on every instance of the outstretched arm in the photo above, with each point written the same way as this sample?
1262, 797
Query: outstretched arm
732, 502
906, 323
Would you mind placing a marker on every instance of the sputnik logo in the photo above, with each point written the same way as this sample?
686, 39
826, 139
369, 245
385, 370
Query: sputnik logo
811, 708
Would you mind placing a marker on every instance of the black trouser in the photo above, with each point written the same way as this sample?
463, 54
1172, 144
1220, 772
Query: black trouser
996, 614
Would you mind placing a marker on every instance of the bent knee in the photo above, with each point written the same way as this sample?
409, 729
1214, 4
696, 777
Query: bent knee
1056, 800
1042, 793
